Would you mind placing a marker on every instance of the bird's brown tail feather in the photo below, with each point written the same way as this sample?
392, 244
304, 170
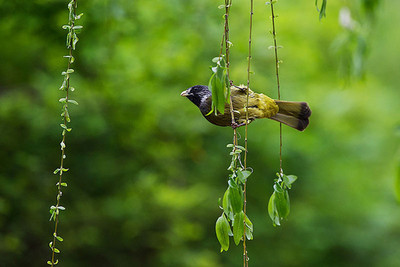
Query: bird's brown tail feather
293, 114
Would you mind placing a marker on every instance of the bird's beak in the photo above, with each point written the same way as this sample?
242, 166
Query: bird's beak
185, 93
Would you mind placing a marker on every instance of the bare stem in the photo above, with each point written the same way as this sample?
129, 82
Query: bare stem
277, 79
245, 257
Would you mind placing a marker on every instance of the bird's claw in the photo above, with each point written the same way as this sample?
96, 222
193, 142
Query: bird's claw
235, 125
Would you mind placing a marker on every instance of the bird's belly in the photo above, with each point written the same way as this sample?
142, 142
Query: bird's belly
220, 119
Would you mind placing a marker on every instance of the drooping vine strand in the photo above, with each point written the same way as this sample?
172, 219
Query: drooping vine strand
233, 221
228, 4
245, 257
279, 202
72, 40
271, 2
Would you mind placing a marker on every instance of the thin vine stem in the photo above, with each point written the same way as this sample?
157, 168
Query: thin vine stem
277, 79
245, 257
59, 193
72, 39
228, 4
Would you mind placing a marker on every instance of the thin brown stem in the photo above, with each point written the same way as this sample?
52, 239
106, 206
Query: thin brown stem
245, 257
277, 79
228, 4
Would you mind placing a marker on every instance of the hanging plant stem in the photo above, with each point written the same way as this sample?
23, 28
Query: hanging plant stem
72, 40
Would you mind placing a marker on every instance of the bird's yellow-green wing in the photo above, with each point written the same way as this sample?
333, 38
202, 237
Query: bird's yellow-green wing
260, 105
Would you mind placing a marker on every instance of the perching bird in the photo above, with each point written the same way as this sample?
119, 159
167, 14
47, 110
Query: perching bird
293, 114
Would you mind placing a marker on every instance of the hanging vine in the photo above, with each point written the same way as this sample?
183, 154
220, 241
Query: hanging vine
234, 220
72, 40
279, 202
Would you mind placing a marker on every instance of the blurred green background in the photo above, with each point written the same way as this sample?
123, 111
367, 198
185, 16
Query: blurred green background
146, 169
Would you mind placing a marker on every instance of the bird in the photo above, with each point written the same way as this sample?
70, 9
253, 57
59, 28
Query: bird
293, 114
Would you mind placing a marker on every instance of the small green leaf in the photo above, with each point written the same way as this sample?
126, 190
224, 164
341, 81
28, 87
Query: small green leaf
64, 184
240, 147
219, 86
59, 238
53, 215
222, 229
235, 199
73, 102
238, 227
49, 263
63, 85
61, 208
249, 228
289, 180
61, 100
69, 71
322, 11
282, 203
51, 244
243, 174
249, 234
56, 250
78, 16
56, 170
225, 204
62, 144
75, 40
272, 211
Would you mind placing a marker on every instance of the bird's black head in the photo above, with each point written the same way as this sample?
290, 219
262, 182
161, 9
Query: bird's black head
197, 94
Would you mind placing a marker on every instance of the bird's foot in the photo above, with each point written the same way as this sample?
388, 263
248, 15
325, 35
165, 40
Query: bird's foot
235, 125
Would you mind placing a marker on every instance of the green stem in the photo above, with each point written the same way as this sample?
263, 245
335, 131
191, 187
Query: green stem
277, 79
245, 257
65, 120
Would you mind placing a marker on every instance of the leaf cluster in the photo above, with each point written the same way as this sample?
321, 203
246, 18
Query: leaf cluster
322, 9
279, 202
233, 221
219, 85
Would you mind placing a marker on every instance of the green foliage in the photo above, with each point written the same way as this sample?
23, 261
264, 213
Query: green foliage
322, 9
279, 202
145, 167
232, 203
72, 40
222, 230
219, 85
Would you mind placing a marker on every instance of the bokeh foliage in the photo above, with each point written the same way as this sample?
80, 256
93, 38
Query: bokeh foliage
146, 170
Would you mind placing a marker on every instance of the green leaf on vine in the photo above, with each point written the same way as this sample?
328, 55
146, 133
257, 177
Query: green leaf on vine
238, 227
249, 228
322, 10
219, 86
235, 199
242, 175
288, 180
222, 230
